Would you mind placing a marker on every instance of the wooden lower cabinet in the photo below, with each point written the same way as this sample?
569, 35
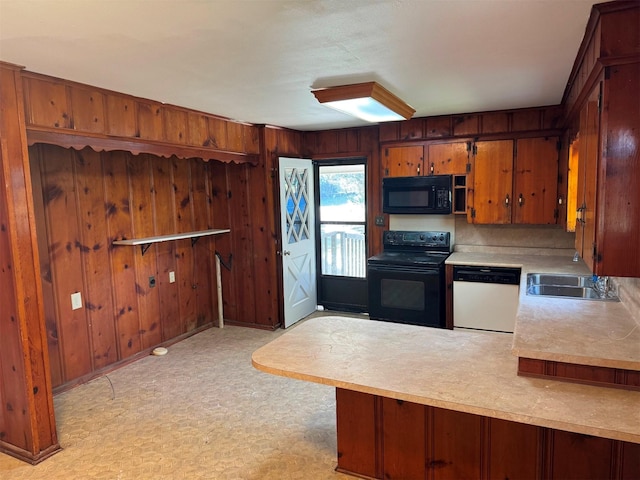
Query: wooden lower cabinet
384, 438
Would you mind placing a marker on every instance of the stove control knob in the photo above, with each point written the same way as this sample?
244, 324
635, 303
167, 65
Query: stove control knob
421, 236
442, 238
433, 238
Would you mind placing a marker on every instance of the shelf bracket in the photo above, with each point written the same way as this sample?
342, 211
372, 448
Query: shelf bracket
194, 240
144, 247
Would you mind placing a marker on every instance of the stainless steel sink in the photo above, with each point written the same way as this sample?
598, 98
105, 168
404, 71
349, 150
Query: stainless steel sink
568, 286
560, 280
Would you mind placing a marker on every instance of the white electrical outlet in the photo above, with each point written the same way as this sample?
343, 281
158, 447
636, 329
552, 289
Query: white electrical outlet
172, 277
76, 301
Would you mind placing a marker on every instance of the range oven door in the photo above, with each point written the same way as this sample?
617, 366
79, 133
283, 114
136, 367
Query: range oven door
406, 294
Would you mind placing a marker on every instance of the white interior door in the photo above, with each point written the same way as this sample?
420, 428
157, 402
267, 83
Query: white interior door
297, 219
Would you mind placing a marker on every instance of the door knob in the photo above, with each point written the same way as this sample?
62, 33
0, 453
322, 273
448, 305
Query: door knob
286, 252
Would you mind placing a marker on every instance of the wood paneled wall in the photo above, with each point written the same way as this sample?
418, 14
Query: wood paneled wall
85, 200
70, 114
519, 122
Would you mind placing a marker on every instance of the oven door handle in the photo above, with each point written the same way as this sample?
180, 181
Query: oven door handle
425, 270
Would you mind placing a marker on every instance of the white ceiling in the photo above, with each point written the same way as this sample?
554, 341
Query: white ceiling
257, 60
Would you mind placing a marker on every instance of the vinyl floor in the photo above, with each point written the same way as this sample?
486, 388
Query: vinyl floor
200, 412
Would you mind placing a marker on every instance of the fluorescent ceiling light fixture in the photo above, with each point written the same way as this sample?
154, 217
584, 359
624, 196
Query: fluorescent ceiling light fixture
369, 101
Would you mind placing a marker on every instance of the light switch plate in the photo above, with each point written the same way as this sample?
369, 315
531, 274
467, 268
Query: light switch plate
380, 220
76, 301
172, 277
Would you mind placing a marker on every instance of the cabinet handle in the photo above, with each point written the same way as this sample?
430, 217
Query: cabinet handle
418, 169
580, 212
506, 200
521, 200
432, 168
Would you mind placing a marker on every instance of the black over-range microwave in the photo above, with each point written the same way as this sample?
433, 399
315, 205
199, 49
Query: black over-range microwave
422, 195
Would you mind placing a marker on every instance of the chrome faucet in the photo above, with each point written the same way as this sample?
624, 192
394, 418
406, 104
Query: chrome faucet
604, 286
576, 257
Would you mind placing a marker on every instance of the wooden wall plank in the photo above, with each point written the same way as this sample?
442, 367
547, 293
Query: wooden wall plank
48, 104
235, 136
242, 242
197, 130
121, 116
465, 124
150, 120
217, 133
123, 280
221, 210
142, 203
67, 256
184, 253
438, 127
347, 140
98, 301
55, 361
523, 120
175, 125
203, 250
88, 110
496, 122
251, 137
164, 219
412, 129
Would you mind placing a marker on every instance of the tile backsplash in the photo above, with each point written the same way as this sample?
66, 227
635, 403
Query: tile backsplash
528, 236
463, 233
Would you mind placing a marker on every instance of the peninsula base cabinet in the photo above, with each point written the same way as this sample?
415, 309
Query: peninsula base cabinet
384, 438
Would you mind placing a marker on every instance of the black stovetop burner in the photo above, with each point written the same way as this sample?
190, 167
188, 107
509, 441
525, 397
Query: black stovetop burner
413, 248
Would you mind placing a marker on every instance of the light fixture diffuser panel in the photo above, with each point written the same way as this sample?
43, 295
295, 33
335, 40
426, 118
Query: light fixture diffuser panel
367, 109
368, 101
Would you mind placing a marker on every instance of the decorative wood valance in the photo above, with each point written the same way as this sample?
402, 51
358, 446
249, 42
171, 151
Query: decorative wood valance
100, 143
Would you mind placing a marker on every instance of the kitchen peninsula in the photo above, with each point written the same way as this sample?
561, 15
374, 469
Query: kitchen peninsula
412, 400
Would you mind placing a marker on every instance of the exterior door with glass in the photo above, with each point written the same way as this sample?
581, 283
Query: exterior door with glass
342, 245
297, 220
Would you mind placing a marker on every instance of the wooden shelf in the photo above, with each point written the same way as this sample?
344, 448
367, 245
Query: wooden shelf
146, 242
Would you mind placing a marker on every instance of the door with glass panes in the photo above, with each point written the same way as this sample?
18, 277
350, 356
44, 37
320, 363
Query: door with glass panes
341, 234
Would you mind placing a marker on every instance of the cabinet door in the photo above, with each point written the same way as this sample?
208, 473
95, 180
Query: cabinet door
536, 181
403, 161
492, 172
587, 179
449, 158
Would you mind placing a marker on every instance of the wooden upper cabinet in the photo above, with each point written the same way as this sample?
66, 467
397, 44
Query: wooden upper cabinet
514, 181
448, 158
403, 161
492, 195
535, 181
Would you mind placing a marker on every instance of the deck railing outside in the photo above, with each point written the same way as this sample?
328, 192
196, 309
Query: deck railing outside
344, 254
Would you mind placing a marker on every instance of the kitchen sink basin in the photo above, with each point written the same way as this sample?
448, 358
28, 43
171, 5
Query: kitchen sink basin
567, 286
560, 280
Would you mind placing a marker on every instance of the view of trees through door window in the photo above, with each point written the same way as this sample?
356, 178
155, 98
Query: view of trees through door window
342, 210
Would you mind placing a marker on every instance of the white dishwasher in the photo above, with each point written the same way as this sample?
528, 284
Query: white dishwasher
485, 298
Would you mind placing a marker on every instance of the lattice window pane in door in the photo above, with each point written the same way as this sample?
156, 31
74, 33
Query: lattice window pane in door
297, 204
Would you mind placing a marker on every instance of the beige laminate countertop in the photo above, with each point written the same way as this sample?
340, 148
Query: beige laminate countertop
471, 372
568, 330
